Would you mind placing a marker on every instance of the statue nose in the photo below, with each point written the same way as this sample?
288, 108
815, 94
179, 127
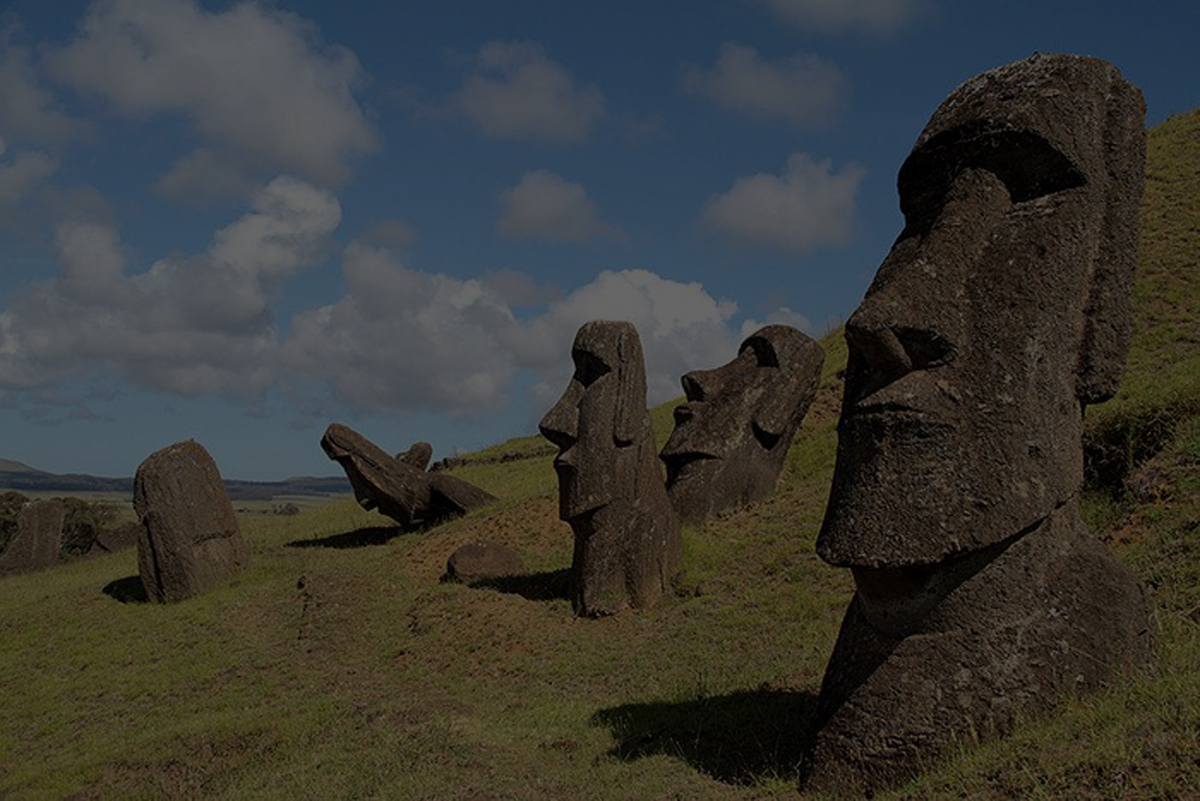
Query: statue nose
560, 425
892, 350
880, 348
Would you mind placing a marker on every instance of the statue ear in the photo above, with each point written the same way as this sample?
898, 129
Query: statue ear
776, 413
784, 410
1107, 325
631, 387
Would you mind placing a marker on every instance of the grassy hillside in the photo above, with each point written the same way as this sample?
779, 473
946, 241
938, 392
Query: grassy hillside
339, 666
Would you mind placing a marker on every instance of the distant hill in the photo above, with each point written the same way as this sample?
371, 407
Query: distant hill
18, 476
13, 466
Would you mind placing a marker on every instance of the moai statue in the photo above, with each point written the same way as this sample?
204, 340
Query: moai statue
733, 433
189, 540
610, 485
38, 538
398, 486
1001, 311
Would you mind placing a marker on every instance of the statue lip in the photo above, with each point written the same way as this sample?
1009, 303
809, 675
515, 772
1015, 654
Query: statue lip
682, 458
887, 408
902, 419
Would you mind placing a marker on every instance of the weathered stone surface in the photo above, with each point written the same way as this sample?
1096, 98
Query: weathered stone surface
478, 561
403, 492
189, 540
418, 455
116, 539
610, 485
37, 540
733, 432
1002, 309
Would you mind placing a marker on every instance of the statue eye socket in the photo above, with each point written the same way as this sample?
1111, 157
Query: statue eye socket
589, 367
764, 354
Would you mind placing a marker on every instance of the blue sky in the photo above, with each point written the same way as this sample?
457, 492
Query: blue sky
239, 222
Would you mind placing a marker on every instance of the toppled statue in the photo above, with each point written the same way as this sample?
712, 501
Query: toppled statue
189, 541
610, 486
396, 485
734, 431
1001, 311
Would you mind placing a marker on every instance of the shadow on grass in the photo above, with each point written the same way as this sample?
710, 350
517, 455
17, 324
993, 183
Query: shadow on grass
360, 538
739, 738
128, 590
550, 585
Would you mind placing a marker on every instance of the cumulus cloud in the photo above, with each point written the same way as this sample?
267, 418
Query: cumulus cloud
681, 327
258, 83
203, 176
402, 340
780, 316
546, 206
194, 326
803, 90
808, 206
20, 173
880, 17
519, 93
28, 112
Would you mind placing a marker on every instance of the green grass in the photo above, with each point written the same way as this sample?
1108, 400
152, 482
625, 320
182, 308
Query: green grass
339, 666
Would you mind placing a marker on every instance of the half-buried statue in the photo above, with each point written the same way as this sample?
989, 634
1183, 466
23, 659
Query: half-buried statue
734, 430
610, 486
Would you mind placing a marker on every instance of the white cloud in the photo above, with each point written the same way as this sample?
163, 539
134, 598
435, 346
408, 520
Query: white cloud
405, 341
257, 82
402, 340
546, 206
803, 90
28, 112
807, 207
518, 93
780, 316
196, 326
680, 325
880, 17
20, 175
203, 176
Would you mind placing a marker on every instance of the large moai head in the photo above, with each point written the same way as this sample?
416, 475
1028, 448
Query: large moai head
600, 423
1002, 309
733, 432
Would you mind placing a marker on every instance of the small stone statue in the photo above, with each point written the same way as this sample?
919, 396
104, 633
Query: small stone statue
610, 485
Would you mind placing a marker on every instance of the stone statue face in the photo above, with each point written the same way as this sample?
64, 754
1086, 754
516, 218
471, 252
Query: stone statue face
733, 430
984, 331
599, 419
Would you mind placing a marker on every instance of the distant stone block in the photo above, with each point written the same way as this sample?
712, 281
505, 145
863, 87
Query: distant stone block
483, 560
38, 538
189, 540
